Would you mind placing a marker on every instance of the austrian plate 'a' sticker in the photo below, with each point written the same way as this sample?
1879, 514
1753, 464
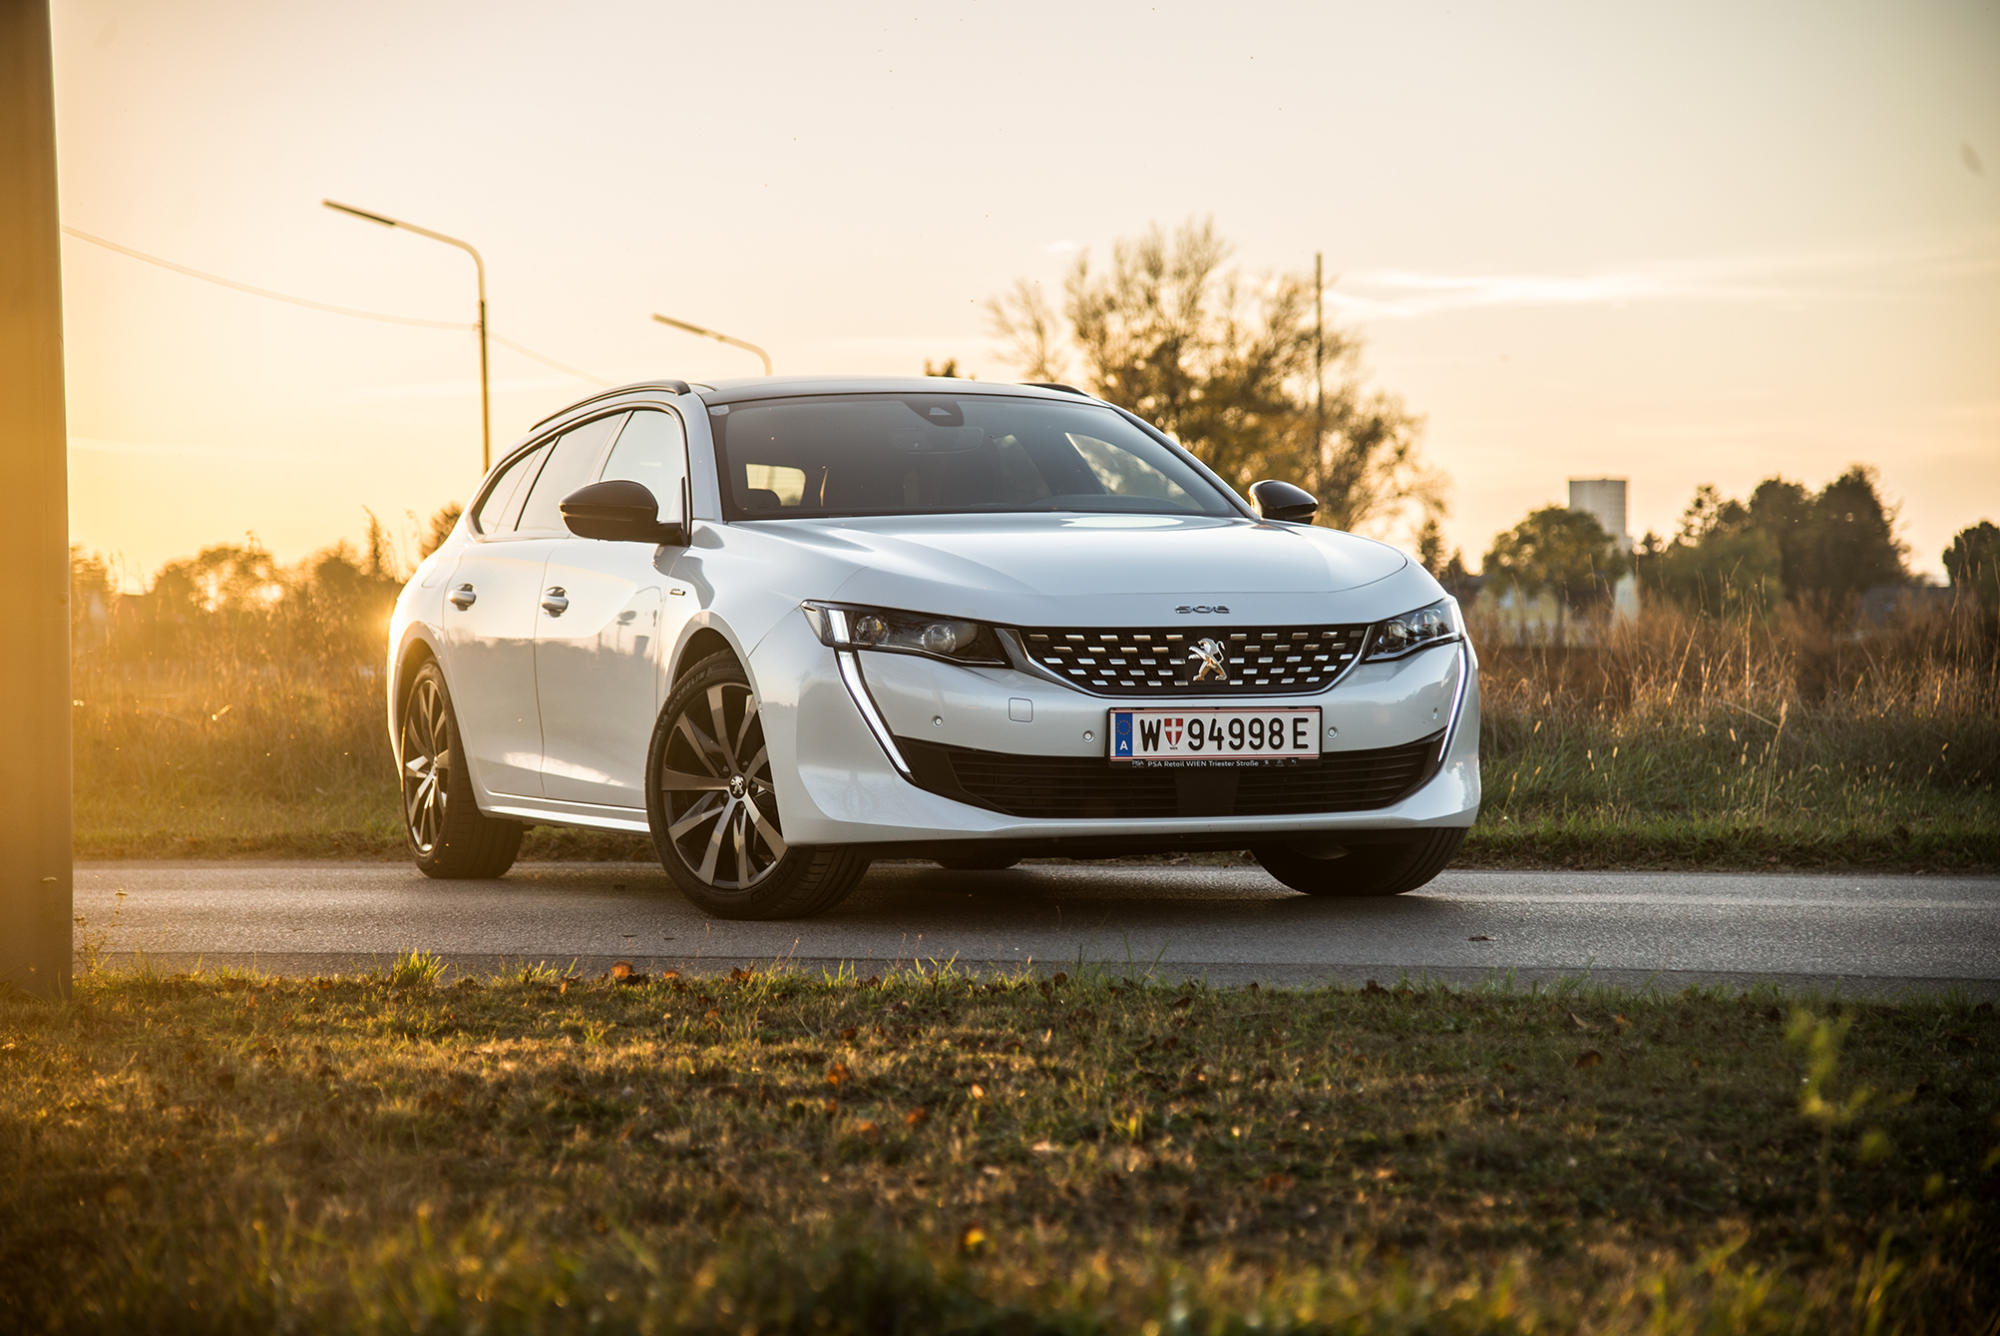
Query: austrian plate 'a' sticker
1121, 735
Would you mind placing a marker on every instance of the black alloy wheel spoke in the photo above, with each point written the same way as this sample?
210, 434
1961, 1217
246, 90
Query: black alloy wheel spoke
718, 727
715, 776
707, 752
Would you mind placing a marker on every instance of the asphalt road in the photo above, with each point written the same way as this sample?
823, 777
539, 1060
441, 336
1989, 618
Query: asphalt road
1859, 935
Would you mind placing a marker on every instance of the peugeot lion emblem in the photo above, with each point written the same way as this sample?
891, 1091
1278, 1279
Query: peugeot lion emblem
1210, 660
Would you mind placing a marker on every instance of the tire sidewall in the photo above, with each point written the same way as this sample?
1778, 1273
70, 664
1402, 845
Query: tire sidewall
716, 670
469, 843
454, 786
1369, 870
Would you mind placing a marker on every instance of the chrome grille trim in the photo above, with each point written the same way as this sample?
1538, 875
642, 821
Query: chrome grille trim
1146, 660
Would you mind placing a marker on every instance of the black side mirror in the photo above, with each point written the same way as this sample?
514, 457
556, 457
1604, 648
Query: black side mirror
619, 511
1281, 501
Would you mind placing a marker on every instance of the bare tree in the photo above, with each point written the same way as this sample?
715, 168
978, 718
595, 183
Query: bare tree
1225, 365
1023, 316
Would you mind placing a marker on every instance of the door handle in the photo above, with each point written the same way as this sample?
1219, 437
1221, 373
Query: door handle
554, 600
462, 597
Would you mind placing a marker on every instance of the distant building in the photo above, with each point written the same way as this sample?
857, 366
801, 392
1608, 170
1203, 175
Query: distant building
1537, 619
1603, 499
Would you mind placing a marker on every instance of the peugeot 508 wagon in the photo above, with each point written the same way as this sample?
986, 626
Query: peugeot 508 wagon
788, 626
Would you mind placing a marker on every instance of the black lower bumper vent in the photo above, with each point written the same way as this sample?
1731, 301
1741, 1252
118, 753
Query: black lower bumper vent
1087, 787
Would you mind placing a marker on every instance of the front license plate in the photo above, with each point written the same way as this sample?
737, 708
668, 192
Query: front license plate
1238, 736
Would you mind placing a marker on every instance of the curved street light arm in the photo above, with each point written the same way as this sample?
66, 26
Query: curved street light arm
479, 273
734, 342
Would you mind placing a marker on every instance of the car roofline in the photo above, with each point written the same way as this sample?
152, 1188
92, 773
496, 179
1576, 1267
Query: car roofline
785, 387
665, 385
790, 387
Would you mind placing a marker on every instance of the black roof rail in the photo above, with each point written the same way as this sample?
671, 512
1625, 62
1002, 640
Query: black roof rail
669, 385
1057, 385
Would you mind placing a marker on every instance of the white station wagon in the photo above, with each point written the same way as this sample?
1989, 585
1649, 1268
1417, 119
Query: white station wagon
788, 626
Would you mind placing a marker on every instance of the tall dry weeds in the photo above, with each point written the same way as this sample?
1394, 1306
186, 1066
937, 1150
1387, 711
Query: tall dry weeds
245, 708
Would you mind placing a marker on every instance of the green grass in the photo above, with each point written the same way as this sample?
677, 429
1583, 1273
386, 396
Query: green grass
932, 1152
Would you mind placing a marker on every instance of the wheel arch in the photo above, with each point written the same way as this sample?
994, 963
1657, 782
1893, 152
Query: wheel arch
705, 642
417, 651
704, 636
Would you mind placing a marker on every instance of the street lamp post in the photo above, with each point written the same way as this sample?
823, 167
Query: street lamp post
719, 338
479, 269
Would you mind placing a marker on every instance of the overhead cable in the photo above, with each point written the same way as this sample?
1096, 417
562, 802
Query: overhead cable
256, 291
329, 307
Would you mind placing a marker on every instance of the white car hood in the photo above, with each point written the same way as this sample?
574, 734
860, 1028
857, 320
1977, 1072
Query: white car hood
1071, 569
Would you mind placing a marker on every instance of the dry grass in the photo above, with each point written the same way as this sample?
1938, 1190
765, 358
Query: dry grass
1678, 741
1680, 738
931, 1152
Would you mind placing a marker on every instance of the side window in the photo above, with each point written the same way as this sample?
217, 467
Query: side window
570, 465
652, 450
496, 507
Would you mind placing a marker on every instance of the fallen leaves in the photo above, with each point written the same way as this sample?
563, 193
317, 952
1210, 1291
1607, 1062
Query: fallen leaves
1589, 1058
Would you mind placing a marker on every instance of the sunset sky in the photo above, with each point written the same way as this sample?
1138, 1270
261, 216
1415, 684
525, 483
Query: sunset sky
1679, 243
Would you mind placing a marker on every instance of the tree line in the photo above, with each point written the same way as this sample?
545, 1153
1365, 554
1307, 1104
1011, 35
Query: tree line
237, 602
1242, 371
1226, 363
1783, 545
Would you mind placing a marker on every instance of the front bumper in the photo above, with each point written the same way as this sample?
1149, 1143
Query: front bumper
836, 724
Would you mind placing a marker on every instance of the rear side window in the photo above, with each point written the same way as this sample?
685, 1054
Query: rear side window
495, 511
651, 451
570, 465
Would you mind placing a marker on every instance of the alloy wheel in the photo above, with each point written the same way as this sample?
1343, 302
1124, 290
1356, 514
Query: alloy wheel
715, 779
427, 762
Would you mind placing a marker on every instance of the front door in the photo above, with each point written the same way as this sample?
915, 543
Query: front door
601, 654
493, 602
598, 668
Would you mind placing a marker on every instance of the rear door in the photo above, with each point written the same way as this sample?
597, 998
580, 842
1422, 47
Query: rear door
492, 601
600, 661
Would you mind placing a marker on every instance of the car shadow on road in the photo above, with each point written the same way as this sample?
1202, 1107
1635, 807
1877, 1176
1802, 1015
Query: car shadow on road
1078, 895
1039, 908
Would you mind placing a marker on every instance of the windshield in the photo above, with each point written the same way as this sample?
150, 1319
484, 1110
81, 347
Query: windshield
932, 454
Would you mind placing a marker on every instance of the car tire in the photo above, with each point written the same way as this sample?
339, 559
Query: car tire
977, 862
714, 812
449, 837
1388, 868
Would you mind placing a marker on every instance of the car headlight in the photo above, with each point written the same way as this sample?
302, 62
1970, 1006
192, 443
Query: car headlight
954, 639
1432, 624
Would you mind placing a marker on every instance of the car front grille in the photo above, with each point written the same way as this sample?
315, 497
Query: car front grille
1088, 787
1161, 661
